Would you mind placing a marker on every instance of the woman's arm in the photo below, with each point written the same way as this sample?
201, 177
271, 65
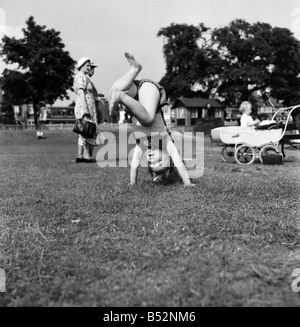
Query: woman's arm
178, 163
83, 101
136, 159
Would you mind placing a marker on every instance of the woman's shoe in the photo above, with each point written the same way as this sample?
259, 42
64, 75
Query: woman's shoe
79, 160
91, 160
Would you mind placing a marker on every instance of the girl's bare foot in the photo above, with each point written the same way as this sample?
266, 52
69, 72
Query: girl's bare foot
132, 62
115, 98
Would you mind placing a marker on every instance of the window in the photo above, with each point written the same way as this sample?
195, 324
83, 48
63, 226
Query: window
30, 109
194, 113
180, 112
218, 113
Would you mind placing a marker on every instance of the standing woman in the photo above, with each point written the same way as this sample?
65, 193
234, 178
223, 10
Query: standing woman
92, 91
84, 104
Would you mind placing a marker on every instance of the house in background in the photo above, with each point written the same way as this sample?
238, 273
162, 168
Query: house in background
189, 110
232, 116
47, 115
51, 115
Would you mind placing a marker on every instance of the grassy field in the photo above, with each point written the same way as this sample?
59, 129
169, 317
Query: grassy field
78, 235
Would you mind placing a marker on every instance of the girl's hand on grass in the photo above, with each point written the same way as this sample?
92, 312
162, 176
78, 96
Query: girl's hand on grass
189, 185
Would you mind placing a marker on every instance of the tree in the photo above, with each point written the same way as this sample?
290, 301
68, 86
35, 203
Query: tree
187, 64
6, 111
45, 70
234, 61
255, 57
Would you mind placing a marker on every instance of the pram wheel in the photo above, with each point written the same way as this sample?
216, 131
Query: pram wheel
245, 155
267, 150
228, 153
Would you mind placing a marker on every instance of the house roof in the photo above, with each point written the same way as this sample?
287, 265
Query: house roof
197, 103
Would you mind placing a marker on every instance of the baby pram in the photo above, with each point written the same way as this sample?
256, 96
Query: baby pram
244, 144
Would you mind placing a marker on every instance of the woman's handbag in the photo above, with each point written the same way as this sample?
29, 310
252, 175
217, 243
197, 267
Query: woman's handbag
85, 127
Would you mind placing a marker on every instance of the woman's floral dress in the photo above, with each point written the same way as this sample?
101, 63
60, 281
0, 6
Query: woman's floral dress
82, 81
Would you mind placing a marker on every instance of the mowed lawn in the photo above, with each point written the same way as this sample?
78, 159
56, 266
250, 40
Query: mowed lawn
77, 235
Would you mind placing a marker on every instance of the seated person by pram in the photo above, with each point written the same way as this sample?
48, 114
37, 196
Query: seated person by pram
248, 121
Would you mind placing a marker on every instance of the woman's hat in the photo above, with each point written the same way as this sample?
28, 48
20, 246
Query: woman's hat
93, 64
82, 61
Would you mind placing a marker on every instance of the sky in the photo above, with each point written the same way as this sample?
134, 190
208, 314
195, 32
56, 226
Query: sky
104, 29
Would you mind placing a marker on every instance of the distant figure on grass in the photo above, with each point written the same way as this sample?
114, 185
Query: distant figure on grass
144, 100
40, 135
84, 104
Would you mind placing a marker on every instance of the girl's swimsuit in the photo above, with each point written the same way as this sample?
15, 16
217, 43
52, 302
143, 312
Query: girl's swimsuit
163, 98
163, 101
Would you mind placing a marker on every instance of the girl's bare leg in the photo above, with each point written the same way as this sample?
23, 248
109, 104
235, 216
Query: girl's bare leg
80, 151
145, 109
86, 151
124, 83
80, 148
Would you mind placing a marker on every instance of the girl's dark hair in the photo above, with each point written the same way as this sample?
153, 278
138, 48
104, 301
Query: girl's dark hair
163, 171
170, 176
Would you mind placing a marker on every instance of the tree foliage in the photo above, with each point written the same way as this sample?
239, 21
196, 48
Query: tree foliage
257, 56
187, 63
233, 61
44, 69
6, 110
